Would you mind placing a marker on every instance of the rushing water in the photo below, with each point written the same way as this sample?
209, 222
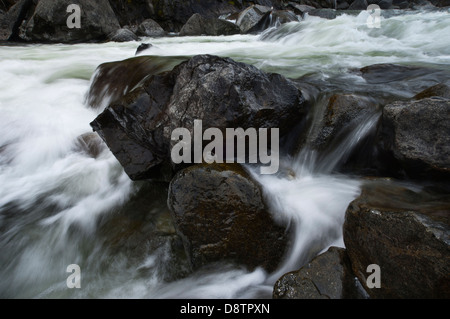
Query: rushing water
55, 199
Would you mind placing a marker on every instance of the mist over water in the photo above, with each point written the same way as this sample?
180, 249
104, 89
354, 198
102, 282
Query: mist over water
55, 199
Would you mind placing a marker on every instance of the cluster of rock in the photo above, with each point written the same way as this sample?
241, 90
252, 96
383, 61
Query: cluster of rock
218, 210
122, 20
403, 229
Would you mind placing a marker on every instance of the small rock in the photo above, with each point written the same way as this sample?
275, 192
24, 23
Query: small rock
123, 35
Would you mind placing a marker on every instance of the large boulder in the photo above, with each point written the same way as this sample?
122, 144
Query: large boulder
199, 25
150, 28
404, 232
11, 21
49, 21
220, 215
131, 13
218, 91
417, 134
122, 35
340, 116
328, 276
410, 77
440, 89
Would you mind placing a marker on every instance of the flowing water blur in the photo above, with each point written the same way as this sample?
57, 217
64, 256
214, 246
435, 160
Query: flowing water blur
55, 198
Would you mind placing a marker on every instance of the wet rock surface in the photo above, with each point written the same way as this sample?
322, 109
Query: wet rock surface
219, 91
406, 233
417, 134
220, 214
327, 276
198, 25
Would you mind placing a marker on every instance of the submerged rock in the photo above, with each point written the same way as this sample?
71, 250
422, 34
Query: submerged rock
219, 91
220, 214
407, 234
328, 276
249, 18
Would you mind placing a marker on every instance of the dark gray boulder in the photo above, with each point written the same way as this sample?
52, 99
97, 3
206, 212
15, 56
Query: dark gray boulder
417, 134
49, 21
406, 233
123, 35
199, 25
342, 114
249, 18
327, 276
219, 91
219, 213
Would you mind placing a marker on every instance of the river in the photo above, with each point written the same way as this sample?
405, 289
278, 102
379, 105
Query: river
55, 199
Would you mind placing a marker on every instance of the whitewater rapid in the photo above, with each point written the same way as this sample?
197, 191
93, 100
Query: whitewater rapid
53, 197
